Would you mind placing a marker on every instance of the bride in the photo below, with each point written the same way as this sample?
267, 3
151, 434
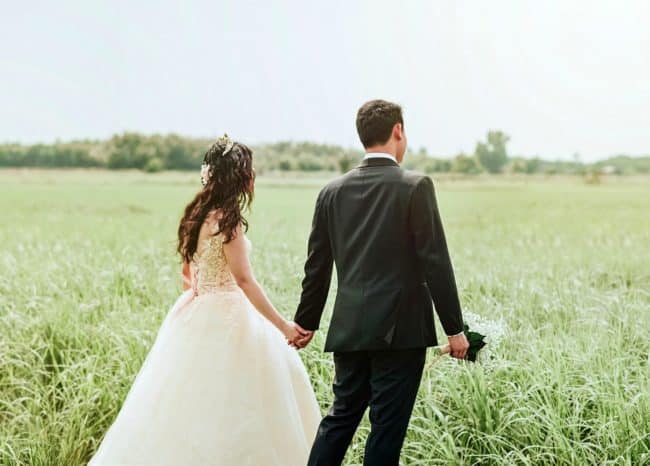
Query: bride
220, 386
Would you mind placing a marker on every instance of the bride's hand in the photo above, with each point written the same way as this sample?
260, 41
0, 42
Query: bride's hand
291, 331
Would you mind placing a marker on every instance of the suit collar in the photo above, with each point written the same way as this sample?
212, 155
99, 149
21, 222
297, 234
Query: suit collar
384, 155
377, 162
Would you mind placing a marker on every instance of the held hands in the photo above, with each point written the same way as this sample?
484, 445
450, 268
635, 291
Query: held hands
458, 346
297, 336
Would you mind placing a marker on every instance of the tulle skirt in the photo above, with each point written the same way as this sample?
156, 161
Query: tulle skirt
220, 386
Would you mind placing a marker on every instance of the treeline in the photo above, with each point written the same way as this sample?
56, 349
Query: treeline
172, 152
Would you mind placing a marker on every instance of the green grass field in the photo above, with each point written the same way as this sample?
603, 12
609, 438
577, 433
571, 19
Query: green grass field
88, 271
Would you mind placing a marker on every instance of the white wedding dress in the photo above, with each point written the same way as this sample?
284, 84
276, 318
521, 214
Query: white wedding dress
220, 386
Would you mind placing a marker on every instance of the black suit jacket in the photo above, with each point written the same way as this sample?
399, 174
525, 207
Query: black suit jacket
380, 225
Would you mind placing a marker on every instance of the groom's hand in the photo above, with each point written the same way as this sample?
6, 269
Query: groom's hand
458, 346
303, 338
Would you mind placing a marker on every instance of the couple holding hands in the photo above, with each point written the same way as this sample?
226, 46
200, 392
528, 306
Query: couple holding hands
221, 386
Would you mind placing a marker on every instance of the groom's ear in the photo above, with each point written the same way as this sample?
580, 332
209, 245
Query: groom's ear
398, 131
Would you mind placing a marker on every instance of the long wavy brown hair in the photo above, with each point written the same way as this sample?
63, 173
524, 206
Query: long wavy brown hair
229, 188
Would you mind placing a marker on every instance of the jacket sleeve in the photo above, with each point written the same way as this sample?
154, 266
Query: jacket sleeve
318, 271
433, 255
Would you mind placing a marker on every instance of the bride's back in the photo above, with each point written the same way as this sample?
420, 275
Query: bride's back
209, 266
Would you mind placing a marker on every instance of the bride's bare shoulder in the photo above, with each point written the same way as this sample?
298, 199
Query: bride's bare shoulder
212, 220
210, 225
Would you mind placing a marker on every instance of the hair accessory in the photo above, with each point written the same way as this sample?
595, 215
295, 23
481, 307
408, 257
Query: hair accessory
205, 173
206, 169
227, 142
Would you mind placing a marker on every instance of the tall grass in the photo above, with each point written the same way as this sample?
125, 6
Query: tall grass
87, 272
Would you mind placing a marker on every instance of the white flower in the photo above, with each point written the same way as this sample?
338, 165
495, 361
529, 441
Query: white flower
494, 331
205, 174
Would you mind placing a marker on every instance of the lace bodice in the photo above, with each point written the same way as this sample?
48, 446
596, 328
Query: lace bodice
209, 267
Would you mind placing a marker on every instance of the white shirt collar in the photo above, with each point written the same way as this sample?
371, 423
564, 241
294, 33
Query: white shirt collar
380, 155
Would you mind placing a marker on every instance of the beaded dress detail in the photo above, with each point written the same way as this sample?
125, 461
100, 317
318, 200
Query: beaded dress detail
210, 271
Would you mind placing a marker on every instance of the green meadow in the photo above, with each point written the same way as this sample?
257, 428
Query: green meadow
88, 270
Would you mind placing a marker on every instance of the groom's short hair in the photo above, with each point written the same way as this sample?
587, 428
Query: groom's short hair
375, 121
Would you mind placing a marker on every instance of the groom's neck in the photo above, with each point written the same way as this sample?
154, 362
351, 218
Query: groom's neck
384, 149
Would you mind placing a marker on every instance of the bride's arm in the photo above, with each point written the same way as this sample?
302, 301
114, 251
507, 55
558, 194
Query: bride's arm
187, 276
237, 256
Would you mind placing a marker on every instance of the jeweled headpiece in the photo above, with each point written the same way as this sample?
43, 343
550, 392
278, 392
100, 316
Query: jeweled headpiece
228, 144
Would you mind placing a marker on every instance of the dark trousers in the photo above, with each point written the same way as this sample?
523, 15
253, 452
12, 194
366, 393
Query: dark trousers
388, 382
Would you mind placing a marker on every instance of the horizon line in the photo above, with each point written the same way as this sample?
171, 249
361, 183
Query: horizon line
410, 150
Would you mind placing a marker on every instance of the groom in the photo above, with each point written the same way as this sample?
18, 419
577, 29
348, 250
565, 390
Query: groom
380, 225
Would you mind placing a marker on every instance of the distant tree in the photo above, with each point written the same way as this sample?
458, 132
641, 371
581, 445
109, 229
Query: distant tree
626, 165
442, 165
154, 165
130, 150
533, 165
465, 164
431, 165
492, 154
156, 152
69, 154
518, 166
285, 165
345, 163
180, 154
527, 166
310, 163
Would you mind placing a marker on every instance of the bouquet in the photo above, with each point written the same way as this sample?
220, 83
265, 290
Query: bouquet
483, 335
476, 344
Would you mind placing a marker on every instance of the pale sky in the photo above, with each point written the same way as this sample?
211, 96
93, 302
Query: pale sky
559, 76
